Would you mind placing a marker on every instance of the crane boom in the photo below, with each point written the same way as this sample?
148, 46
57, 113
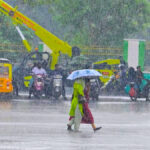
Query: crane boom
54, 43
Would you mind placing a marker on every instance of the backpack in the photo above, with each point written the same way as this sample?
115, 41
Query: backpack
132, 92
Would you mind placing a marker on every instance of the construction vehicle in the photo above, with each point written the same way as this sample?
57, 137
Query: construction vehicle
55, 44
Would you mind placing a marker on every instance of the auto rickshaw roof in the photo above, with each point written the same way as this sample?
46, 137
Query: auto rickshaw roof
109, 61
4, 60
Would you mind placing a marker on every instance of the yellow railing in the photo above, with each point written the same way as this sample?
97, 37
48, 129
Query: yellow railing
101, 51
13, 51
19, 48
93, 50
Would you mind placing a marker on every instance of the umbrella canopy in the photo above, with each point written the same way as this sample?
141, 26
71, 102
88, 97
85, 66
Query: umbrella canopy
83, 73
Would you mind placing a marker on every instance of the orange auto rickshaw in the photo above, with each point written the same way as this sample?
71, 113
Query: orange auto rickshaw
6, 86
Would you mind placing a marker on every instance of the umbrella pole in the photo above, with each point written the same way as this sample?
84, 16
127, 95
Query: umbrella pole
98, 84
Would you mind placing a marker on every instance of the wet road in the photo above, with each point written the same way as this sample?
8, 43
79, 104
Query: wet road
41, 125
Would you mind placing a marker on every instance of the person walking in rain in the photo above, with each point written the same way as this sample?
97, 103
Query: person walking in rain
76, 105
80, 112
88, 117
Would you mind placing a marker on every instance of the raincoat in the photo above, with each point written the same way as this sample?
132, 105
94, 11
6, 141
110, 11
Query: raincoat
78, 90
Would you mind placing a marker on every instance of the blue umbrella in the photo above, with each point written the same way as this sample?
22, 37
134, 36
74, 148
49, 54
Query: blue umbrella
83, 73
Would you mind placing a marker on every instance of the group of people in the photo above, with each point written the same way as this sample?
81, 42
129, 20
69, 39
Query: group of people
39, 69
80, 111
130, 75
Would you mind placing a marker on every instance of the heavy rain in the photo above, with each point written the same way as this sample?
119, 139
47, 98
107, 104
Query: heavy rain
74, 75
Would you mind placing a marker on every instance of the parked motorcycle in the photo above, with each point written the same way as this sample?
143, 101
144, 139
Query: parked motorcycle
38, 86
142, 92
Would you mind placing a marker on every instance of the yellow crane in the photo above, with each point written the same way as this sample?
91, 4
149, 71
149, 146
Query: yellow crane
55, 44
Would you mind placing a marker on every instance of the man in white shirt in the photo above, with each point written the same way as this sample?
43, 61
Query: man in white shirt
39, 70
35, 71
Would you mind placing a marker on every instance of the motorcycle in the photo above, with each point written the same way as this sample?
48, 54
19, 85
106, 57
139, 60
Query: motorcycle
53, 86
112, 86
142, 92
95, 89
57, 86
38, 85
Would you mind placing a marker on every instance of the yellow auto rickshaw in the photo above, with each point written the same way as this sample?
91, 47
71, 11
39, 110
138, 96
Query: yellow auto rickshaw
6, 86
107, 68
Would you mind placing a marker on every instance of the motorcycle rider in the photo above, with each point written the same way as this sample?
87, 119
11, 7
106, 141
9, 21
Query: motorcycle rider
35, 71
60, 71
123, 78
139, 77
131, 74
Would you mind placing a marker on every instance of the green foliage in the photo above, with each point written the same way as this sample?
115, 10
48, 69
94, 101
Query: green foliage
8, 32
103, 22
36, 2
98, 22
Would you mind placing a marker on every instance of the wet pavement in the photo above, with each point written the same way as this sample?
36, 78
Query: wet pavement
41, 125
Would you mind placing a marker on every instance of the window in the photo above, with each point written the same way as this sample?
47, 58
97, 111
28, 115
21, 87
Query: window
102, 66
4, 72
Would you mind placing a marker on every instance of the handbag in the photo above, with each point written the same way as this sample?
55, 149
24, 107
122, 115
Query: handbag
81, 99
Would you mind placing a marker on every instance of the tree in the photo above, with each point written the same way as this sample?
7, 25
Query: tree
98, 22
102, 22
